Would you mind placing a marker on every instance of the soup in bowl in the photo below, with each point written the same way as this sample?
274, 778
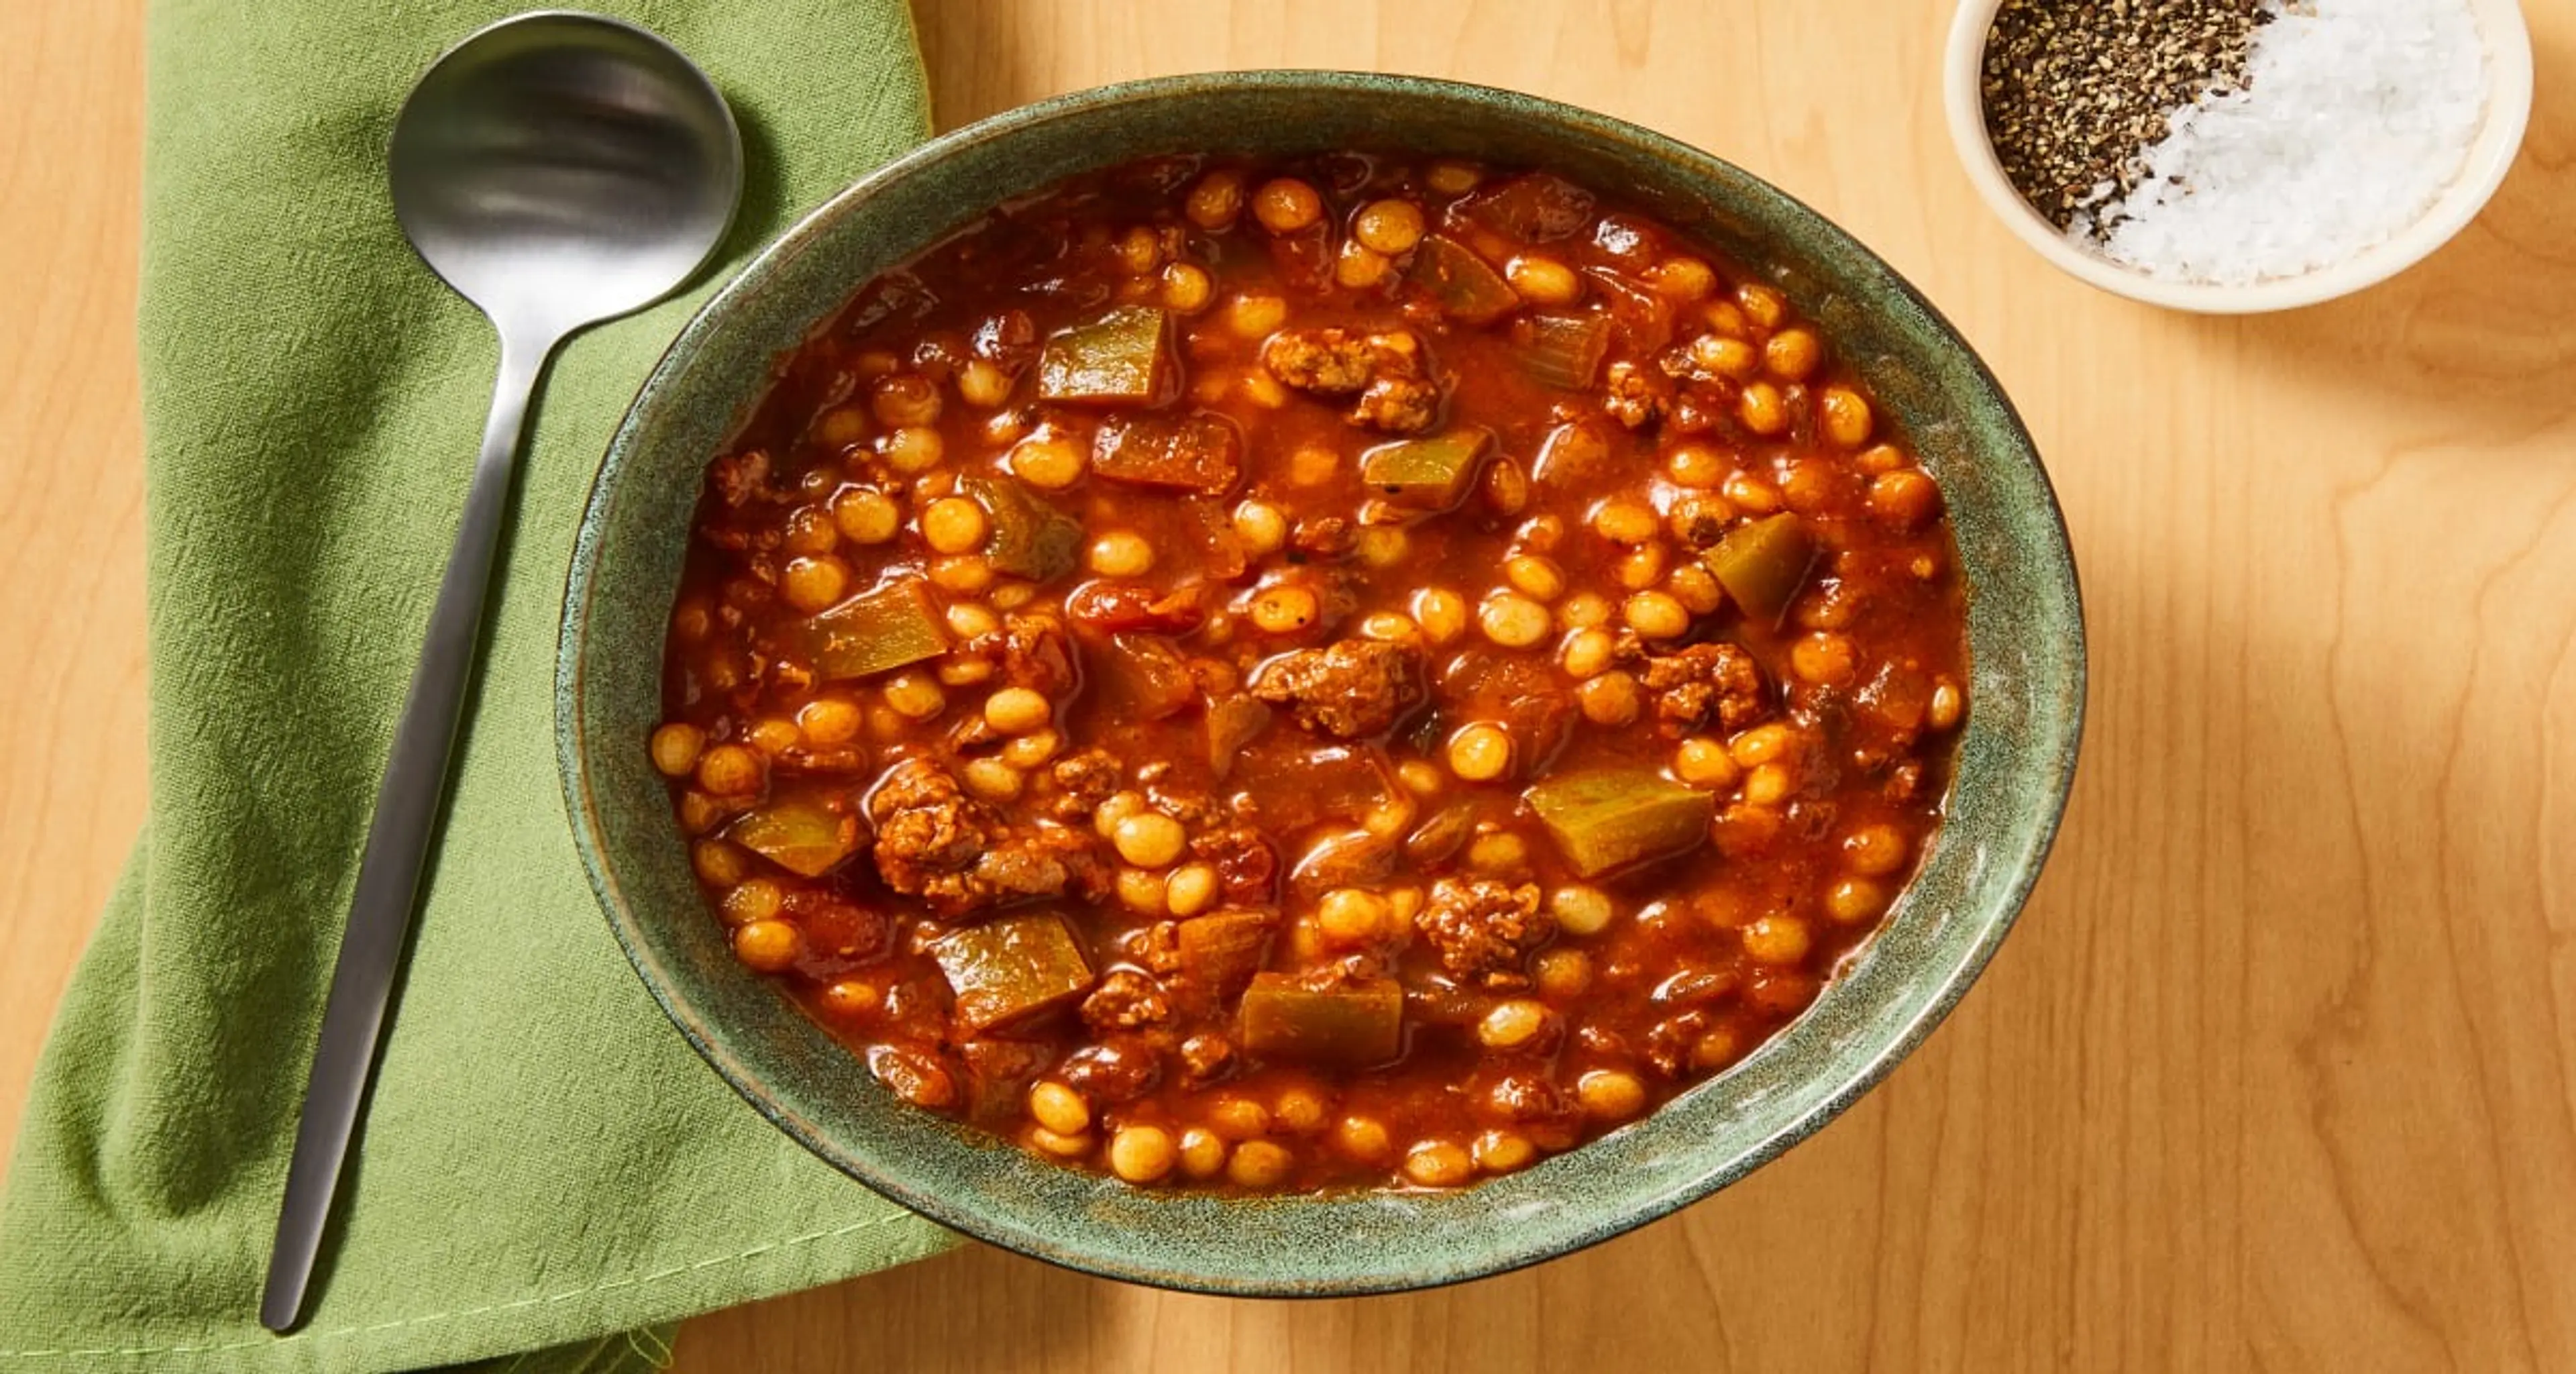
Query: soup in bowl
1468, 678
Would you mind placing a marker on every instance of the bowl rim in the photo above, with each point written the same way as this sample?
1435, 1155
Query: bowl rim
2490, 156
2005, 896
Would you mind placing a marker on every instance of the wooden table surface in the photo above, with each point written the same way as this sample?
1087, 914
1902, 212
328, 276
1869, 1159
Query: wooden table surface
2280, 1069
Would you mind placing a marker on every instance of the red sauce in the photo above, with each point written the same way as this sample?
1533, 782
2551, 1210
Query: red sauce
1523, 663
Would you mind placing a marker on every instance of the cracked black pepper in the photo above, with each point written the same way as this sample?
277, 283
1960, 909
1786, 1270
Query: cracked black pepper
2075, 90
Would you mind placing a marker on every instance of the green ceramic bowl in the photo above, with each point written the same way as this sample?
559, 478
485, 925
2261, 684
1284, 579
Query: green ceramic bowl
2017, 755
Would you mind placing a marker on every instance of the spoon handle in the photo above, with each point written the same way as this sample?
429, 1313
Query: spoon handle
397, 849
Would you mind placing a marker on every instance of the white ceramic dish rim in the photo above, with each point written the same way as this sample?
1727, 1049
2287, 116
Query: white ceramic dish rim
2490, 156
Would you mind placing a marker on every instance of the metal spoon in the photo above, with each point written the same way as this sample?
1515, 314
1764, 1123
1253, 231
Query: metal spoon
556, 169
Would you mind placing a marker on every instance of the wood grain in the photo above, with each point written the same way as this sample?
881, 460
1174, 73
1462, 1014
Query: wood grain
2280, 1070
71, 499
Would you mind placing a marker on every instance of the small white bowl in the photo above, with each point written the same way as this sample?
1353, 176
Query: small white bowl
2508, 110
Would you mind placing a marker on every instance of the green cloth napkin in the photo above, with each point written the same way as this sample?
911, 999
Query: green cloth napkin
545, 1166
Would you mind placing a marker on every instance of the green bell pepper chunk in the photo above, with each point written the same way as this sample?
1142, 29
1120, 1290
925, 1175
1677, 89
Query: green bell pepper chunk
876, 631
1428, 474
1461, 283
1119, 357
1609, 818
1357, 1024
1030, 538
798, 834
1012, 969
1763, 564
1565, 350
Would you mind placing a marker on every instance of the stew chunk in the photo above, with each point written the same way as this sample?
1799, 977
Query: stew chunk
1125, 1000
936, 843
1386, 372
1356, 687
1704, 684
1485, 930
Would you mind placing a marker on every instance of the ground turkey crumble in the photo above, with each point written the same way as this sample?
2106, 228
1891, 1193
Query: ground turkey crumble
937, 843
1356, 687
1484, 930
1386, 373
1704, 683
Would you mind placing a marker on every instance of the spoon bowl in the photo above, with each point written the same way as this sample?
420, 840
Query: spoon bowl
562, 168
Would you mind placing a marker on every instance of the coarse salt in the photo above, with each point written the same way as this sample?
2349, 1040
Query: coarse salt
2354, 117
